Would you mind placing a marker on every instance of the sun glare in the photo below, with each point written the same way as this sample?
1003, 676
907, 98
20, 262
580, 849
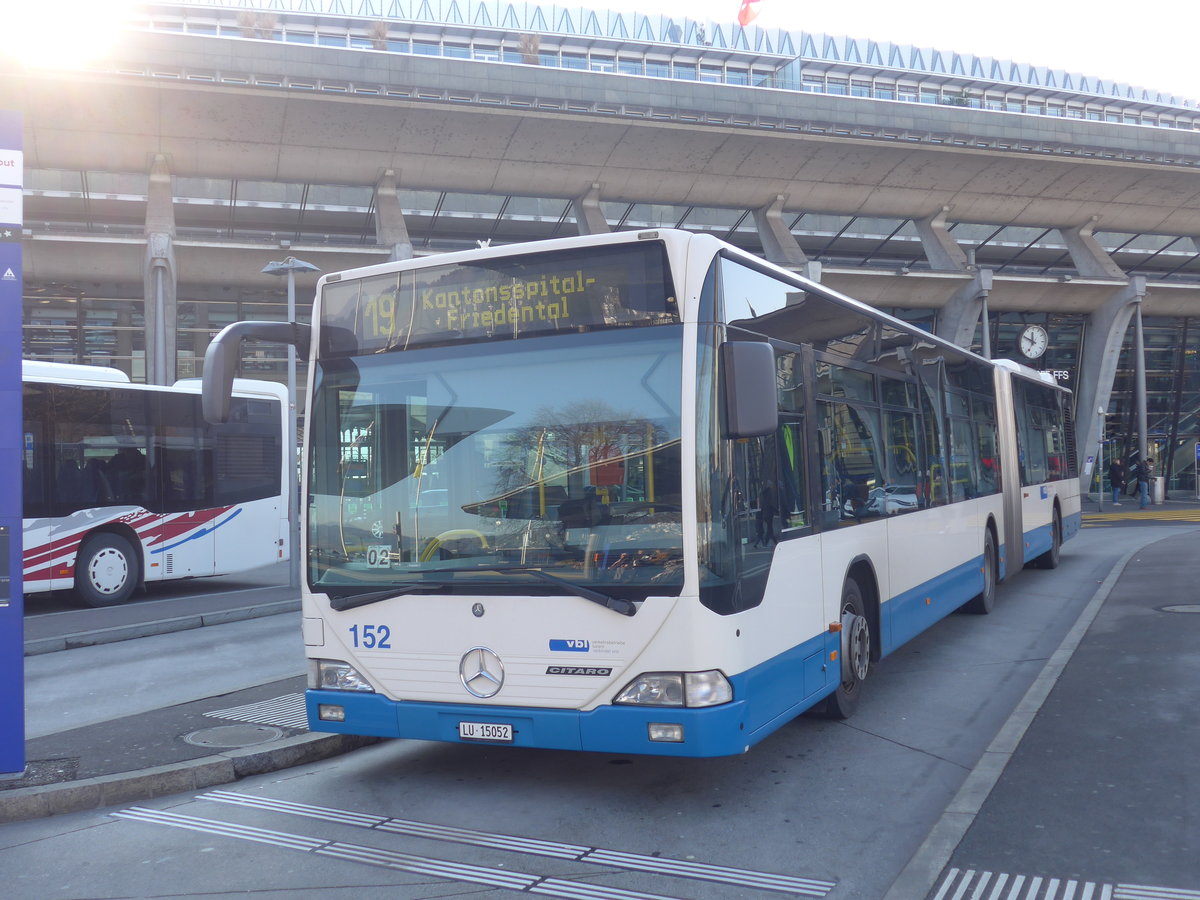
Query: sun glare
62, 34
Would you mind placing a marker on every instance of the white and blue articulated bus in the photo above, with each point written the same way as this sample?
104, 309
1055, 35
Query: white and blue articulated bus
641, 493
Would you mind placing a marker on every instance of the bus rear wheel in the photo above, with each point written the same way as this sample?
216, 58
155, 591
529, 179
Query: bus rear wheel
107, 570
1049, 559
985, 600
855, 653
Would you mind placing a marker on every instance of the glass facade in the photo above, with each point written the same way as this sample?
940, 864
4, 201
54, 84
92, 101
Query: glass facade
684, 49
1172, 400
105, 326
1172, 357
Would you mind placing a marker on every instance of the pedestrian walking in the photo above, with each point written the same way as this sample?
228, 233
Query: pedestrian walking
1145, 471
1116, 480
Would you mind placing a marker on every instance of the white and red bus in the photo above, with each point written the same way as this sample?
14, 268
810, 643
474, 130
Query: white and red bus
126, 483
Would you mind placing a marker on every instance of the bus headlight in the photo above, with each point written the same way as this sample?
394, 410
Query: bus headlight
677, 689
335, 675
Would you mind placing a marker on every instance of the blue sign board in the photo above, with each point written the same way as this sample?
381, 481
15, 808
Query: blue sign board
12, 608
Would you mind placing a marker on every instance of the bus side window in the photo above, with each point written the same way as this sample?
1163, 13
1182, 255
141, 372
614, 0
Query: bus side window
126, 471
81, 482
36, 450
793, 506
180, 490
851, 463
34, 486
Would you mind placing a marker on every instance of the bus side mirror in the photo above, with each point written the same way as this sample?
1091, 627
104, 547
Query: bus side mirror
223, 354
749, 386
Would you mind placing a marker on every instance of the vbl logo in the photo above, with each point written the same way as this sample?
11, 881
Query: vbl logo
575, 646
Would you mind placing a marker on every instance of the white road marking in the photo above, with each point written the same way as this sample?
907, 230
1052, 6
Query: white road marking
696, 871
957, 882
389, 859
287, 712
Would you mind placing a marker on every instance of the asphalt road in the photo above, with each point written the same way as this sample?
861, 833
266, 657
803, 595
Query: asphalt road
834, 809
56, 622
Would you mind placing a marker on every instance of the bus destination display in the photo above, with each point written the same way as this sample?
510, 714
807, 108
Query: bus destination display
499, 299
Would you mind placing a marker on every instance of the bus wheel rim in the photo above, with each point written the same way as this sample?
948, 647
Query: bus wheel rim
856, 648
108, 570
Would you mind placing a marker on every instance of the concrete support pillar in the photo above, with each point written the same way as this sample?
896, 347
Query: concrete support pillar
159, 277
1103, 338
390, 228
941, 249
588, 215
779, 244
958, 319
1139, 380
1090, 259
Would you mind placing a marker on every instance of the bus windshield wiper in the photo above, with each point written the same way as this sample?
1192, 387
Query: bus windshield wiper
616, 604
353, 601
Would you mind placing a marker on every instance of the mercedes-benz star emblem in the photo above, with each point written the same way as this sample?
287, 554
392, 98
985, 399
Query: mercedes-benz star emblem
481, 672
477, 610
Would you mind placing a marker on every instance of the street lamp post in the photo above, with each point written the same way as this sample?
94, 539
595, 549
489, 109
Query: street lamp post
290, 267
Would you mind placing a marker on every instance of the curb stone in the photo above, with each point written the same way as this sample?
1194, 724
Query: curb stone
40, 801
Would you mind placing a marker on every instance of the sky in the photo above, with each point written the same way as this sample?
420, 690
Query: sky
1152, 46
1117, 40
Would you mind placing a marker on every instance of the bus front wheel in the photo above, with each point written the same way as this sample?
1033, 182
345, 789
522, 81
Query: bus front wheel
855, 653
107, 570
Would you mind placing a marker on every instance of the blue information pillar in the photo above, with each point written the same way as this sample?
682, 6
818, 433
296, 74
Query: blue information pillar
12, 608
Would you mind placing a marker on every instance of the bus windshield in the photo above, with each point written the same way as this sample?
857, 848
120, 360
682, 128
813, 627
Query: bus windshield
462, 467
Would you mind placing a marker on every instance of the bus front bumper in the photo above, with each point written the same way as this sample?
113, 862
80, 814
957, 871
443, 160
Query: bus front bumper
711, 731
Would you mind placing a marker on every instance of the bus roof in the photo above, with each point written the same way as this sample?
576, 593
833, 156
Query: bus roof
36, 368
39, 370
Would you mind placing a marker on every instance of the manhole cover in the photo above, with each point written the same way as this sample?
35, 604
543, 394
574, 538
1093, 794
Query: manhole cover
234, 736
1182, 608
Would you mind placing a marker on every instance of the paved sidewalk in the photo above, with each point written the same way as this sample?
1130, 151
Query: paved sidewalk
1109, 766
180, 748
175, 748
1091, 791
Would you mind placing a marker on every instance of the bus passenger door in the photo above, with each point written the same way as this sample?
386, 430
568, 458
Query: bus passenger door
182, 544
249, 486
37, 460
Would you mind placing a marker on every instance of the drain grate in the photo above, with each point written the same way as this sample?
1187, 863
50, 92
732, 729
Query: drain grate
286, 712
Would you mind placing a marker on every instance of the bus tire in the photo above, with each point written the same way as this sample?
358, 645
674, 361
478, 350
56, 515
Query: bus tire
855, 654
983, 602
1049, 559
107, 570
